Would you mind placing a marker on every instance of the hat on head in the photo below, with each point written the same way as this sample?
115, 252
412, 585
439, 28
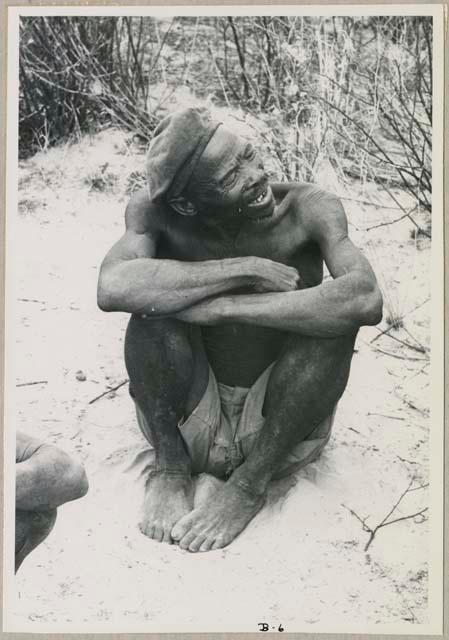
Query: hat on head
175, 149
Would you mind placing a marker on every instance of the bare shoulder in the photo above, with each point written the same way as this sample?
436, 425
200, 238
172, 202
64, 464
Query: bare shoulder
142, 215
318, 211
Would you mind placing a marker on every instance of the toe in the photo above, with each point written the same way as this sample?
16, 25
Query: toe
149, 531
167, 537
158, 533
206, 545
181, 528
219, 543
196, 544
187, 540
146, 529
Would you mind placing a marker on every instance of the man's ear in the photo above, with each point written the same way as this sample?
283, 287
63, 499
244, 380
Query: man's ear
183, 206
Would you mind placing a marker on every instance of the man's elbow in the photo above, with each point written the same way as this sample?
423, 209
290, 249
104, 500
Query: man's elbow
371, 305
108, 293
104, 299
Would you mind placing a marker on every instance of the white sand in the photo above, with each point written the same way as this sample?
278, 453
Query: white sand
301, 562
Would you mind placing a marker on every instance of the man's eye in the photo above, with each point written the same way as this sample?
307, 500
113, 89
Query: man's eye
230, 178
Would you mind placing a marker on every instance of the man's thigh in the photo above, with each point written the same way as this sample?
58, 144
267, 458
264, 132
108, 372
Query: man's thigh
302, 392
309, 366
159, 350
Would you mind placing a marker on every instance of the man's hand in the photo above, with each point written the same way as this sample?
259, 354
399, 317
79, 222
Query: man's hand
269, 277
275, 277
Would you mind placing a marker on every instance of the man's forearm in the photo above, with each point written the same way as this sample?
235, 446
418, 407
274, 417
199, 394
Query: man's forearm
334, 308
160, 287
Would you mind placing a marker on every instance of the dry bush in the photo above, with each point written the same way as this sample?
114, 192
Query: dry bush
352, 91
77, 73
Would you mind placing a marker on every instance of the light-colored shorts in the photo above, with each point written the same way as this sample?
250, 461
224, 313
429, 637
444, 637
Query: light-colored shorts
223, 428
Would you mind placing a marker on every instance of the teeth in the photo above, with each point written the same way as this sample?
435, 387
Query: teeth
261, 197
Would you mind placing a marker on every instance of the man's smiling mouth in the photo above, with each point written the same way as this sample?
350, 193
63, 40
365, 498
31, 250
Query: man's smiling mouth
260, 199
255, 209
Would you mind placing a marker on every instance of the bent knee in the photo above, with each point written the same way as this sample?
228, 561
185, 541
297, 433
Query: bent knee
300, 349
144, 322
142, 327
157, 340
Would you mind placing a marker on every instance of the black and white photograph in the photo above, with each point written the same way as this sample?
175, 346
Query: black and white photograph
224, 320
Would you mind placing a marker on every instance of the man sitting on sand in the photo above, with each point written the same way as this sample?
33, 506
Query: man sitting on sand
237, 351
46, 477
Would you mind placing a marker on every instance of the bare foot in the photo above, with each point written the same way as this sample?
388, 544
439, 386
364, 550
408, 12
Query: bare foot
216, 524
167, 499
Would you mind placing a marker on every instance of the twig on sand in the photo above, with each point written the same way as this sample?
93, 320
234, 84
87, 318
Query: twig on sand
407, 462
384, 415
396, 355
109, 390
416, 347
385, 522
422, 370
382, 333
28, 384
30, 300
410, 404
421, 486
419, 347
416, 340
355, 430
392, 326
407, 214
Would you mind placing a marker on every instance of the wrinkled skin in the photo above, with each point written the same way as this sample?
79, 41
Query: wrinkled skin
229, 176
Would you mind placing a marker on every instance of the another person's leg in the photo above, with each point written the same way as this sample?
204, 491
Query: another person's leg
46, 477
168, 373
32, 527
304, 386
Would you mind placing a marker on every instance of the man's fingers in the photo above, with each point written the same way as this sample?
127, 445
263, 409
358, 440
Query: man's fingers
291, 279
276, 276
287, 271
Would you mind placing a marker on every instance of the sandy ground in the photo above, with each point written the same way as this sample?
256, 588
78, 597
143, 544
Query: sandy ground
301, 563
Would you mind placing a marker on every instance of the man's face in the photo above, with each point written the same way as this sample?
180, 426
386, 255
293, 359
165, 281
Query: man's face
230, 181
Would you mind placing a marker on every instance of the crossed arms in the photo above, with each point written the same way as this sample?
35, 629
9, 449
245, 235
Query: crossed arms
133, 280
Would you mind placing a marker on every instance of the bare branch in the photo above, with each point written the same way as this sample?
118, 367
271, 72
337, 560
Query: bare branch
385, 522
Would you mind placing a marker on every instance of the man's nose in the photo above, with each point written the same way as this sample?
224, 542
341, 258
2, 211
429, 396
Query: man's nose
256, 177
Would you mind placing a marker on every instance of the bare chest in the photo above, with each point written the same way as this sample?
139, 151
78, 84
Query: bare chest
284, 242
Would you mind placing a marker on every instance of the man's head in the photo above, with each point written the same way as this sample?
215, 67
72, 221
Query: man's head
201, 168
